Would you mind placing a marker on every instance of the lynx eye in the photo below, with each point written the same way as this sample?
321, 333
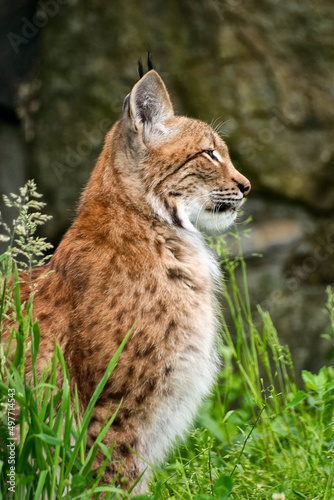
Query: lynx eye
213, 154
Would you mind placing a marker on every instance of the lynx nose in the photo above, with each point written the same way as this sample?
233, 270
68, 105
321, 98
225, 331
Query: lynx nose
245, 187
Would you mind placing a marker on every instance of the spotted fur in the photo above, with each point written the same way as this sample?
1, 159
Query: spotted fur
134, 256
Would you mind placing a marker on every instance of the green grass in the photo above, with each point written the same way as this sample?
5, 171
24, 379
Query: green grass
259, 436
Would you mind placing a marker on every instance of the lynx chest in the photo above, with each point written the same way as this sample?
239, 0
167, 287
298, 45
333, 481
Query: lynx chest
186, 349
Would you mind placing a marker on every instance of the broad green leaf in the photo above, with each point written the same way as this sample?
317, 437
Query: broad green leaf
222, 487
309, 379
79, 482
300, 396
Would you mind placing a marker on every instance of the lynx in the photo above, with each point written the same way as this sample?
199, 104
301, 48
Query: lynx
134, 255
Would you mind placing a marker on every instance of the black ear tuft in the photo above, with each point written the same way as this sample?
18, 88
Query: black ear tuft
140, 68
149, 61
149, 65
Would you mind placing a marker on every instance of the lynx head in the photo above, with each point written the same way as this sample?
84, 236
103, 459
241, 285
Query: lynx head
182, 165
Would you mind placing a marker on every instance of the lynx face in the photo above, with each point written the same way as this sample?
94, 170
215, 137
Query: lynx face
187, 174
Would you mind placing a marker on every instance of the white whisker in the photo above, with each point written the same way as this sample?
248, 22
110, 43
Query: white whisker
218, 126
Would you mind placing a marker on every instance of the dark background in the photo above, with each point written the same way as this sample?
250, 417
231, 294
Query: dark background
260, 71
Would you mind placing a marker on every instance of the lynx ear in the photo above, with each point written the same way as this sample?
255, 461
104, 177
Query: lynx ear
149, 104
